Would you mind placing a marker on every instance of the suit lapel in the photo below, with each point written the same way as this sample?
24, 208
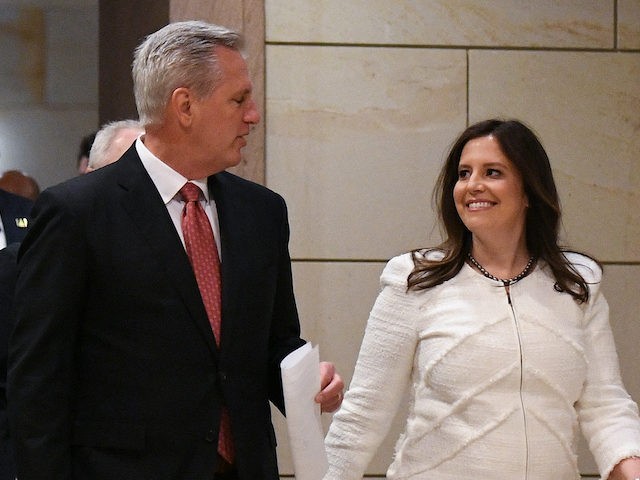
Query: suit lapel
235, 253
141, 200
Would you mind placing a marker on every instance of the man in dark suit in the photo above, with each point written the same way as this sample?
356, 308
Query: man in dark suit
8, 269
114, 369
15, 212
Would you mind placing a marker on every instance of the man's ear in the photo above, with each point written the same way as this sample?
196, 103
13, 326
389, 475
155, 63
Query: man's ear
181, 105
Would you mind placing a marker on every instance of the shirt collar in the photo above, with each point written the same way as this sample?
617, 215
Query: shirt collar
166, 179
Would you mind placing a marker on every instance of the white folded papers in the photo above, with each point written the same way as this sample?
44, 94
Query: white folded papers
301, 383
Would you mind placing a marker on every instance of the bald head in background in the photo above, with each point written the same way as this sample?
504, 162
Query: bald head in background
111, 141
19, 183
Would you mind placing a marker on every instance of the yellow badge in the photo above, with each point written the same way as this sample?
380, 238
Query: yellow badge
22, 222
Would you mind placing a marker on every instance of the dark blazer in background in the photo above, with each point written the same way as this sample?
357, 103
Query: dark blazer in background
8, 270
14, 209
113, 368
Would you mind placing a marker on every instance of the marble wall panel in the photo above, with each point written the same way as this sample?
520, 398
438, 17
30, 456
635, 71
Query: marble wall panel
586, 108
50, 55
629, 24
355, 137
542, 23
22, 49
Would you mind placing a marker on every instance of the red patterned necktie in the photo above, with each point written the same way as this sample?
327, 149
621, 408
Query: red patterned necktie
203, 254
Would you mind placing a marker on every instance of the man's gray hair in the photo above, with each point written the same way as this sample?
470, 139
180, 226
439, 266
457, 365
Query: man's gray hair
99, 156
180, 54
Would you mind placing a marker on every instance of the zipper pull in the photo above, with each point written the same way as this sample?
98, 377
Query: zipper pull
507, 289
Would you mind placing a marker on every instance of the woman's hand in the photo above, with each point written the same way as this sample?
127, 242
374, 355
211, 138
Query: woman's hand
330, 396
627, 469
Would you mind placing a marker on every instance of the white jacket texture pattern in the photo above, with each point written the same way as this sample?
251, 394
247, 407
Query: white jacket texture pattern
497, 389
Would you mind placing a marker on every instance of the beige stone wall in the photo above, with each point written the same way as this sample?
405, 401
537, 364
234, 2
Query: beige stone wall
363, 98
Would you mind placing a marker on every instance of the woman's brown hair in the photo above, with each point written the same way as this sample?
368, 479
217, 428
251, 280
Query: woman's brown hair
524, 150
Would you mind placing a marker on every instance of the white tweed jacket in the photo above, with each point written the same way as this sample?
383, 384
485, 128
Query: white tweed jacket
498, 389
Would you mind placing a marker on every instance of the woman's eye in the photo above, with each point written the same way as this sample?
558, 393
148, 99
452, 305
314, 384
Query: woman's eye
462, 174
492, 172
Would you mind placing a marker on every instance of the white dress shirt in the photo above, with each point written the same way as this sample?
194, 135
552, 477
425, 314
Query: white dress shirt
3, 238
169, 182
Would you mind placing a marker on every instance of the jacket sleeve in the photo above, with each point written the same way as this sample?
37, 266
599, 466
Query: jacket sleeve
284, 336
49, 291
382, 373
607, 414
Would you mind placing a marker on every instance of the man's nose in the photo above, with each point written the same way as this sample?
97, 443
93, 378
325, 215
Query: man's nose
252, 115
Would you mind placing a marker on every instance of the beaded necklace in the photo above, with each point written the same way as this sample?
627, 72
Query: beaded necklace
507, 282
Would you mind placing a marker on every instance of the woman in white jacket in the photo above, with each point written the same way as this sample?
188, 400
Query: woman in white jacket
501, 338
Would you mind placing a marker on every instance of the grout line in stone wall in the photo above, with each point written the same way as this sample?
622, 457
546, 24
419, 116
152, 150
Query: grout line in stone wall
615, 24
467, 84
505, 48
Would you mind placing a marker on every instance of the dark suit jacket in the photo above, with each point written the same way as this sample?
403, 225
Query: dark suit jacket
13, 210
113, 368
8, 271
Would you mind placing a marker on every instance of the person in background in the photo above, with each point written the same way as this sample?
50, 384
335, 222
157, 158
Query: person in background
112, 140
151, 349
8, 268
19, 183
500, 337
15, 215
83, 153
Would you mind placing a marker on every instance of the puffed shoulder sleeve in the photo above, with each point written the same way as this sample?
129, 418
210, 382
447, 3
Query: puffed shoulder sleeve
396, 271
608, 416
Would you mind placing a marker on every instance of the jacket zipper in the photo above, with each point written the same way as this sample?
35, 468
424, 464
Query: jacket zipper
524, 416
